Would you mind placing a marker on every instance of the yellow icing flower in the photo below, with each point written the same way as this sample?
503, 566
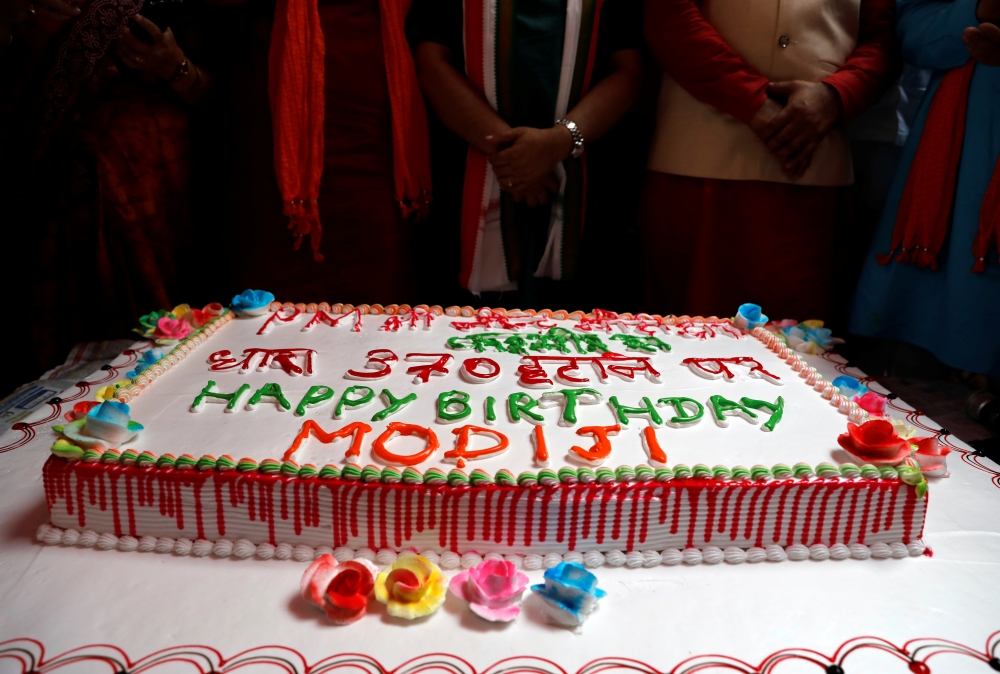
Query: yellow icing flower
903, 429
812, 323
412, 587
180, 310
108, 392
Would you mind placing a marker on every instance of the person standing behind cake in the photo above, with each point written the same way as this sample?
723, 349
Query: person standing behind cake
528, 85
746, 174
932, 277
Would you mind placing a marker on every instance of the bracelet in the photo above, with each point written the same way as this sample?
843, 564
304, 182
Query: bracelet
574, 130
183, 68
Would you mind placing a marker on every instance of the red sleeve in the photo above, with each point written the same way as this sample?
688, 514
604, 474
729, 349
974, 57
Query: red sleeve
874, 64
687, 47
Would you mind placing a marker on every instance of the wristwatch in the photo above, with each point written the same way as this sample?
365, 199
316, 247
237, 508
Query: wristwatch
577, 136
183, 68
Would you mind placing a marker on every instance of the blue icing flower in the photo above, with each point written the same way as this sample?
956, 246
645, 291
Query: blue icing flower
147, 359
749, 316
252, 303
569, 594
850, 387
107, 424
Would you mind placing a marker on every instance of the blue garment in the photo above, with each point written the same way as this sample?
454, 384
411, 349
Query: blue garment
952, 312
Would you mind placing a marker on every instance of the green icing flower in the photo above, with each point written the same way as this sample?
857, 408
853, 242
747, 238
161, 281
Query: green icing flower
412, 476
166, 461
269, 467
91, 455
802, 471
480, 478
289, 467
351, 473
625, 474
207, 462
505, 478
682, 472
527, 479
435, 477
457, 478
586, 475
67, 450
781, 471
888, 472
827, 470
329, 472
568, 476
850, 470
246, 466
664, 474
760, 473
604, 475
870, 472
721, 473
548, 477
701, 471
225, 462
391, 475
110, 456
371, 475
128, 457
185, 462
307, 471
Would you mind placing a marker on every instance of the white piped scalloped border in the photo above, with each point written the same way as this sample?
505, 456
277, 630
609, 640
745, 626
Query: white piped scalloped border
450, 561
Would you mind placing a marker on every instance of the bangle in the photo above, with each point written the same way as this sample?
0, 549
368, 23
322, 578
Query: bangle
183, 68
577, 136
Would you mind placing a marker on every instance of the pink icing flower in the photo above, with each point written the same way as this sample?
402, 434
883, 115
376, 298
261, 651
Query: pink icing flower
339, 589
931, 456
172, 328
493, 589
872, 403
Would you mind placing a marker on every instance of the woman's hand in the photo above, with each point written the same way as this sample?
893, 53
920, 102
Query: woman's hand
160, 58
983, 43
530, 156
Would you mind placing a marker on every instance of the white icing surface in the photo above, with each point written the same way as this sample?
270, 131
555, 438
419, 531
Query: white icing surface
807, 433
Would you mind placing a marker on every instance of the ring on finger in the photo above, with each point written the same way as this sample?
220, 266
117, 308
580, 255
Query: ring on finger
138, 59
510, 183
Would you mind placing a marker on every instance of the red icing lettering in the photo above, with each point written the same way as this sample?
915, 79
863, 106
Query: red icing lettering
323, 317
462, 453
601, 449
435, 366
479, 370
430, 439
279, 317
713, 368
378, 363
285, 359
358, 429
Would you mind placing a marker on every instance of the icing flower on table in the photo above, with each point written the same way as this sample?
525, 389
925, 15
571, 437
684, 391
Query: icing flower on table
875, 442
80, 409
339, 589
150, 320
872, 403
108, 392
173, 329
250, 303
199, 317
931, 456
910, 473
748, 317
903, 429
413, 587
569, 594
493, 589
146, 360
809, 337
105, 425
779, 326
850, 387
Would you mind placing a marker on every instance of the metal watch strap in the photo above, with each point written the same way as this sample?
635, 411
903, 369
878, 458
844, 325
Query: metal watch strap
577, 136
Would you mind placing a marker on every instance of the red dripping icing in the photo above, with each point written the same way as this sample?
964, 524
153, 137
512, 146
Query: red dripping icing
251, 502
633, 517
763, 516
383, 518
179, 506
512, 521
370, 520
676, 521
471, 529
296, 506
345, 514
602, 517
724, 510
90, 489
267, 489
443, 531
232, 492
664, 495
408, 518
284, 501
735, 529
561, 523
334, 515
574, 521
420, 511
836, 516
431, 513
454, 522
397, 532
81, 516
693, 497
809, 512
795, 512
850, 515
877, 524
529, 517
588, 509
711, 495
487, 514
748, 528
543, 517
196, 486
821, 517
220, 515
908, 507
785, 490
893, 493
103, 492
113, 476
498, 525
864, 515
355, 497
616, 523
647, 496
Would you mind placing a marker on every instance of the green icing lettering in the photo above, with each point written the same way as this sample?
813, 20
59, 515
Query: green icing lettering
348, 401
233, 399
648, 343
570, 397
394, 404
684, 417
491, 415
777, 409
646, 408
556, 339
448, 400
521, 403
314, 397
269, 391
721, 405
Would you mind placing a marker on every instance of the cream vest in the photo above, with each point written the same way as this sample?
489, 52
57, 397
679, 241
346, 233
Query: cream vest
695, 139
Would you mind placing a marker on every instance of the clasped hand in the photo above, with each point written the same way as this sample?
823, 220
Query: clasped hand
793, 132
525, 158
160, 58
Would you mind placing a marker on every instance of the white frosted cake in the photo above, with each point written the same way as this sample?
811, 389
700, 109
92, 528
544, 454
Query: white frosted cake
289, 430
